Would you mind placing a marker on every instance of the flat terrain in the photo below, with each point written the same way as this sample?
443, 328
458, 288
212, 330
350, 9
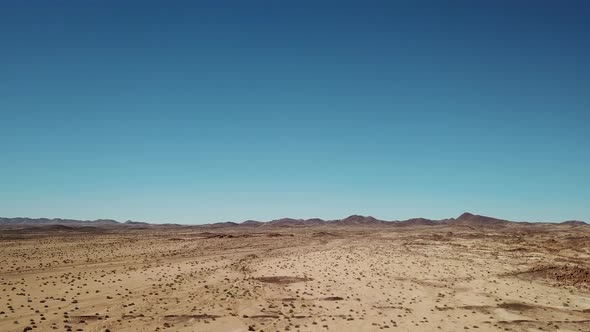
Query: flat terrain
412, 278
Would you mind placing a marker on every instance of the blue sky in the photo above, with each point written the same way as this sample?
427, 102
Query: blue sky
197, 112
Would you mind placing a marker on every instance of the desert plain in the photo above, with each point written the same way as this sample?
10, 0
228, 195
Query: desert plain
310, 277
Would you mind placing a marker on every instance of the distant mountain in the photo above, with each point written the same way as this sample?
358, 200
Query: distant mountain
315, 221
290, 222
359, 220
418, 221
469, 219
574, 223
252, 223
44, 229
284, 222
224, 224
466, 219
17, 222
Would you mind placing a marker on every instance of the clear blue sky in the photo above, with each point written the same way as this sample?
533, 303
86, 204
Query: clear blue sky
193, 111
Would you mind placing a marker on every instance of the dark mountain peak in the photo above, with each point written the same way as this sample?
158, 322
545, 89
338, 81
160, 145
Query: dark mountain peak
574, 223
466, 216
358, 219
314, 221
251, 223
475, 219
417, 221
106, 221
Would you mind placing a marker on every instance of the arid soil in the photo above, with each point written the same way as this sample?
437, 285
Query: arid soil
414, 278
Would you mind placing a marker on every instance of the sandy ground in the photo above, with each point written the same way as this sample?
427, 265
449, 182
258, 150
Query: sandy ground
297, 279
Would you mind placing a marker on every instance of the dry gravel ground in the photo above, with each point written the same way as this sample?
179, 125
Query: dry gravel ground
296, 279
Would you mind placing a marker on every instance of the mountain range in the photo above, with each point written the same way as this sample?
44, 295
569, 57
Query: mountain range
465, 219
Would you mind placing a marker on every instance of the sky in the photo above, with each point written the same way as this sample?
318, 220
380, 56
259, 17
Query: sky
207, 111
